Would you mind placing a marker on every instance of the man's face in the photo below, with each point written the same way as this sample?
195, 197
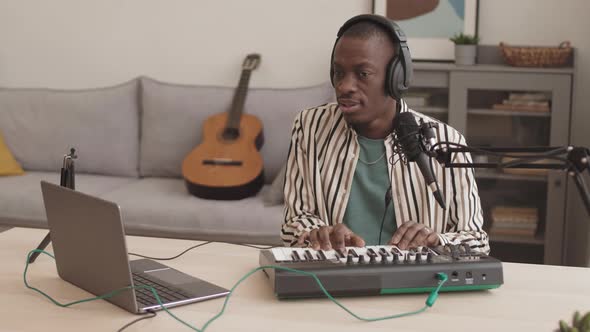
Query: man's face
359, 79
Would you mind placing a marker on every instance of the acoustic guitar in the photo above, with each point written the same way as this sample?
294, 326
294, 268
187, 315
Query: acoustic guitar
227, 165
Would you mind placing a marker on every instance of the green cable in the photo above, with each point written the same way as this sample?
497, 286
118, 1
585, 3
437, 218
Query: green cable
108, 295
429, 302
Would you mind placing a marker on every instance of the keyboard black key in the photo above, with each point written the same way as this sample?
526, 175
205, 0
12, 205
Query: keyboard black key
309, 255
371, 253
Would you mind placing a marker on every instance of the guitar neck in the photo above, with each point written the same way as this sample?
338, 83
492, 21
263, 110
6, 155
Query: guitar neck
237, 107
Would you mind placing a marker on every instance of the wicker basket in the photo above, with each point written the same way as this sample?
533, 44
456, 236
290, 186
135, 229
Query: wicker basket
537, 56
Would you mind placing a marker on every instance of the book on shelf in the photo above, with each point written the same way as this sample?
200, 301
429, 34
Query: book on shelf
516, 221
513, 229
532, 102
521, 108
543, 103
515, 215
536, 96
513, 232
514, 225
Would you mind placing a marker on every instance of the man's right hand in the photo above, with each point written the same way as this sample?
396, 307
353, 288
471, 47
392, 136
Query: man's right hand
331, 237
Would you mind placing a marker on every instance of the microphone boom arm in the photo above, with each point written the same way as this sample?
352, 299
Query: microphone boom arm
574, 160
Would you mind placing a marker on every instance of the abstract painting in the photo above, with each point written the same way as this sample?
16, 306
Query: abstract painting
429, 24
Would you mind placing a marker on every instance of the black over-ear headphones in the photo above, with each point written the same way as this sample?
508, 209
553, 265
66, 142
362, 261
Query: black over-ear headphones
399, 70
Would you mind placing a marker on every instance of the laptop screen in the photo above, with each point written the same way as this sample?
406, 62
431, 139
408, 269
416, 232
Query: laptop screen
89, 243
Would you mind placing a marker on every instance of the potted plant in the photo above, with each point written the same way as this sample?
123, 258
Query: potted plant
465, 48
579, 323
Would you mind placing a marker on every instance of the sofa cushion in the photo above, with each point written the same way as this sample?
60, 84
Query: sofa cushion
21, 201
173, 115
162, 207
8, 165
41, 125
274, 194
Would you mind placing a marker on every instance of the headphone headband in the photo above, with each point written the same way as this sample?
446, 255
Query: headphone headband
387, 24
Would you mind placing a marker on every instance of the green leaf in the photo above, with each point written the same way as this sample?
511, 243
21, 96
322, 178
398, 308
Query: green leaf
584, 324
462, 39
577, 318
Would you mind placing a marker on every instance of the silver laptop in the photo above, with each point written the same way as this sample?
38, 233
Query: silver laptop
90, 252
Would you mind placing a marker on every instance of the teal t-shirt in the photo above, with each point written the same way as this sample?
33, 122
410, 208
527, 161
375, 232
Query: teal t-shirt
366, 203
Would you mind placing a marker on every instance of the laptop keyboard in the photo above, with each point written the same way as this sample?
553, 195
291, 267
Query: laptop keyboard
166, 293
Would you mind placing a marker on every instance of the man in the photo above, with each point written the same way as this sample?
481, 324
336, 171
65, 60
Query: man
343, 169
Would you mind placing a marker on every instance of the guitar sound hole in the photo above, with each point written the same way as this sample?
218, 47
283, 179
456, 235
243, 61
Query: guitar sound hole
231, 134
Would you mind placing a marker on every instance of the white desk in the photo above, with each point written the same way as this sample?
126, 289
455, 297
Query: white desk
533, 297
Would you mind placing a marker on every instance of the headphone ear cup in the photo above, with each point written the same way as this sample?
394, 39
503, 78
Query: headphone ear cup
398, 86
391, 79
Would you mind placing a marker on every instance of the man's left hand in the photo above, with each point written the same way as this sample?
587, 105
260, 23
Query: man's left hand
412, 234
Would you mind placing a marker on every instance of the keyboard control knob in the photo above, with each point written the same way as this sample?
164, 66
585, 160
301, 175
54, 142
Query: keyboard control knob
373, 259
349, 259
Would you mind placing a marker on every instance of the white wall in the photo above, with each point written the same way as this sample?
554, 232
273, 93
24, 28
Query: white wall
88, 43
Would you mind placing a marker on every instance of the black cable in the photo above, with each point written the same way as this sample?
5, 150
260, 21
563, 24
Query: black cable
546, 155
199, 245
252, 246
582, 188
151, 314
171, 258
527, 159
387, 202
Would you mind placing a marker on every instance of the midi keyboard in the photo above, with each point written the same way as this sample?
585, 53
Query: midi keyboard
379, 270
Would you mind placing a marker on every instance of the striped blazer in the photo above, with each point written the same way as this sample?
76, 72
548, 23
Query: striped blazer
320, 167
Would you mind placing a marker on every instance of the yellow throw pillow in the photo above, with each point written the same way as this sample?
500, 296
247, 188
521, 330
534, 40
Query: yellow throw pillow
8, 165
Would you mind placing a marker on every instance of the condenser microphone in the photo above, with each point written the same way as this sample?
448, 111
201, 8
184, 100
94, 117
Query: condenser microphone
427, 132
410, 139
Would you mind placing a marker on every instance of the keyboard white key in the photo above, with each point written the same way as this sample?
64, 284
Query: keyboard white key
378, 254
329, 254
281, 255
301, 253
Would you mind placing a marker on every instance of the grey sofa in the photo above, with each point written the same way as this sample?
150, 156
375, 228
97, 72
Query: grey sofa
131, 140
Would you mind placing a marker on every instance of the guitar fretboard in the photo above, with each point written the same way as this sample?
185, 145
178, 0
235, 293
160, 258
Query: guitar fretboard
235, 114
